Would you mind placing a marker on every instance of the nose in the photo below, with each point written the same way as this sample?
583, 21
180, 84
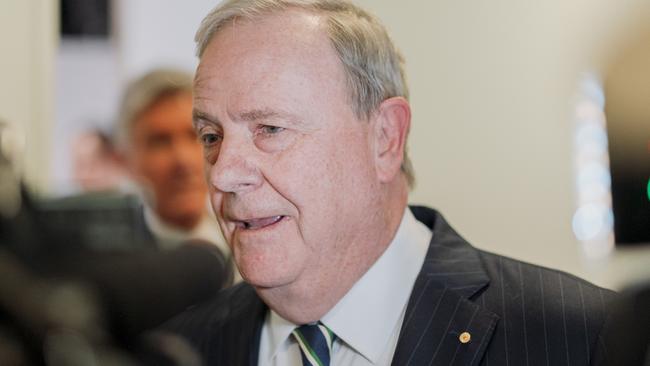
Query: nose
235, 170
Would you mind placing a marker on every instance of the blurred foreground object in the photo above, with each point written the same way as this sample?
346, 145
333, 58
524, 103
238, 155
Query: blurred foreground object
626, 86
10, 149
627, 108
94, 305
627, 333
63, 304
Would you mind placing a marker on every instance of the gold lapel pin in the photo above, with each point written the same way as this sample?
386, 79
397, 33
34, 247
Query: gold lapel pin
465, 337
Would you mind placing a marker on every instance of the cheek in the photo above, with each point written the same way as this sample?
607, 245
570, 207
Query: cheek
159, 167
207, 167
334, 181
152, 163
309, 180
195, 151
216, 199
226, 231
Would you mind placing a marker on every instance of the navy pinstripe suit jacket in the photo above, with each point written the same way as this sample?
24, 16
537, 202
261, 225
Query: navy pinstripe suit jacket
516, 313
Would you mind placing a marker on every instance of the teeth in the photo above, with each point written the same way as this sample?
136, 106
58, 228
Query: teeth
259, 223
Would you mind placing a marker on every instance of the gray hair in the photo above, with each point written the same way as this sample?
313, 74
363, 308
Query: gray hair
142, 93
374, 67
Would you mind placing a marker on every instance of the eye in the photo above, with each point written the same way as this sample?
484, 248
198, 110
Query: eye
209, 139
271, 138
270, 130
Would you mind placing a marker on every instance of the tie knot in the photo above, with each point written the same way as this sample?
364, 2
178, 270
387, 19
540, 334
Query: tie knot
315, 341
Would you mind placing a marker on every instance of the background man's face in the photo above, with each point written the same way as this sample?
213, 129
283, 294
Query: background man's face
167, 159
289, 165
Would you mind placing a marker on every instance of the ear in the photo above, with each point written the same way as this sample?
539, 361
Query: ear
392, 121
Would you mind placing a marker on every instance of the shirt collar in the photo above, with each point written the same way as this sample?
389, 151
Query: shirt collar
279, 330
388, 284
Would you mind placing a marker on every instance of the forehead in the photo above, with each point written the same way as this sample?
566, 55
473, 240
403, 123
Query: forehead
262, 57
290, 30
168, 111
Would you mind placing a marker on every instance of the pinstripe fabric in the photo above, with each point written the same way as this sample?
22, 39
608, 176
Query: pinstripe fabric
541, 316
225, 330
516, 313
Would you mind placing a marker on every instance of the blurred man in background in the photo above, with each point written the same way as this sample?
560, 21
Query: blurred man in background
159, 148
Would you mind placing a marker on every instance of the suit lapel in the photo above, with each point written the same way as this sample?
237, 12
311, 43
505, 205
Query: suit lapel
440, 309
238, 337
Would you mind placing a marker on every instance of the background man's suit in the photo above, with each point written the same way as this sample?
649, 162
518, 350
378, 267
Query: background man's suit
516, 313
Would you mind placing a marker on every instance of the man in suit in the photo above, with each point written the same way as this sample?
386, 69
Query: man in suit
302, 109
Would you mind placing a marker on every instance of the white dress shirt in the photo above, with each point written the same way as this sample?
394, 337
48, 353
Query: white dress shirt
368, 319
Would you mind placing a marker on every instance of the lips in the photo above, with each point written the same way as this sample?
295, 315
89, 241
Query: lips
256, 224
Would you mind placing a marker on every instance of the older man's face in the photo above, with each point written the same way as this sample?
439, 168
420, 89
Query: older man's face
289, 165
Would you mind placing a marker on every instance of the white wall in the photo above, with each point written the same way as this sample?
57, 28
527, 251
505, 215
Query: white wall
87, 94
492, 85
27, 47
157, 33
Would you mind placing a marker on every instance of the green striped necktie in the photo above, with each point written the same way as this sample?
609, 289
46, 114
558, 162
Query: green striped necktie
315, 341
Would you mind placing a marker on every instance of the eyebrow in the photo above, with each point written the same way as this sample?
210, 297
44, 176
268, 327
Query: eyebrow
253, 115
198, 115
266, 114
258, 114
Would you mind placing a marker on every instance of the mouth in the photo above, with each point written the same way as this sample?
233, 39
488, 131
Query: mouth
260, 223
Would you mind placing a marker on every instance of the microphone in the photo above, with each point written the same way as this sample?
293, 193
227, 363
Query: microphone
59, 301
86, 303
140, 290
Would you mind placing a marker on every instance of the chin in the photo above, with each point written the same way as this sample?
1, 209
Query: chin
270, 279
187, 219
187, 210
265, 282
